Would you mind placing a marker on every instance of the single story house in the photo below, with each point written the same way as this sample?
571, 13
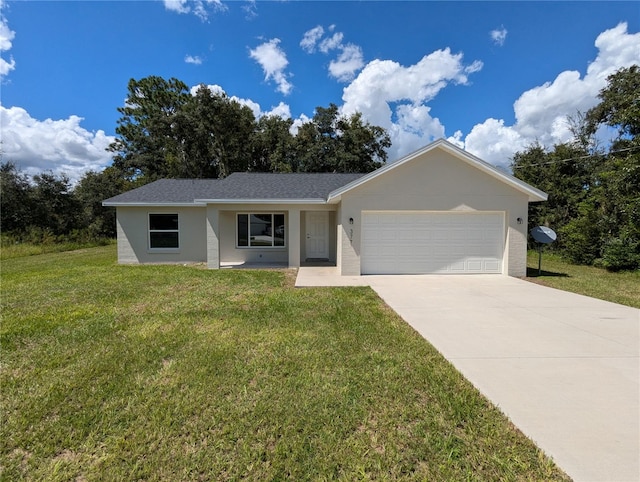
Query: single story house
437, 210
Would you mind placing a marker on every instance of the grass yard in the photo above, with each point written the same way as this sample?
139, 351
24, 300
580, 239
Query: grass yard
623, 288
179, 373
10, 249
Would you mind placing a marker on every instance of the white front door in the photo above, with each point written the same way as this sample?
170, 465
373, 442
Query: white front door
317, 225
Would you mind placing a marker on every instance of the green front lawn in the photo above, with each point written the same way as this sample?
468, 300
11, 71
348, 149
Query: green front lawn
179, 373
623, 287
11, 248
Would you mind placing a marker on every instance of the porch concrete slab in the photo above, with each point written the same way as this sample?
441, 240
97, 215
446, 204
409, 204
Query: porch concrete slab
309, 276
252, 265
563, 367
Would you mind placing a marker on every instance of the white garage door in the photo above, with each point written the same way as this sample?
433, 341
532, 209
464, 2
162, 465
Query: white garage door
402, 242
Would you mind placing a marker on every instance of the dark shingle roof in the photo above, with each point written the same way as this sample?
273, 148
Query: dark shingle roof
239, 185
248, 185
178, 191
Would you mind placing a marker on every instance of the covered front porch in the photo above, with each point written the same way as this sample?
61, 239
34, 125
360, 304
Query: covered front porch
259, 236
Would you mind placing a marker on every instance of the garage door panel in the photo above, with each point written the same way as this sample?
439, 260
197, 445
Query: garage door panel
432, 242
475, 264
491, 265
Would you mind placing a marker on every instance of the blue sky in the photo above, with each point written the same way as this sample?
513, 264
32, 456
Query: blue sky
491, 76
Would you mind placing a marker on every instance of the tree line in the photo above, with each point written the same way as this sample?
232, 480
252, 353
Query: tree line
165, 131
48, 208
594, 191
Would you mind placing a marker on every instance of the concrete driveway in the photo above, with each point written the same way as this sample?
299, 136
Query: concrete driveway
563, 367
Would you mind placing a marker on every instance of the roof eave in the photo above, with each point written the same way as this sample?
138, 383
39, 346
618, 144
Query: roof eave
262, 201
204, 202
543, 196
150, 204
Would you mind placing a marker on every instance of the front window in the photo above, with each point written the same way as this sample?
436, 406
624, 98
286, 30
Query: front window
260, 230
163, 231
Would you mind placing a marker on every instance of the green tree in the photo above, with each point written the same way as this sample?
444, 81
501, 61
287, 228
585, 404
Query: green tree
214, 135
273, 147
594, 196
91, 190
316, 141
565, 174
362, 145
619, 105
165, 131
55, 207
581, 239
16, 199
618, 195
146, 146
335, 143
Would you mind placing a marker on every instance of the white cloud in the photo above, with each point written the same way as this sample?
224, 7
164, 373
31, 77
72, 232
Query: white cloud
215, 89
616, 49
297, 123
347, 64
281, 110
310, 39
349, 61
273, 61
254, 106
541, 112
200, 8
178, 6
494, 142
395, 97
6, 38
457, 139
250, 9
193, 59
331, 43
498, 36
538, 109
62, 146
6, 35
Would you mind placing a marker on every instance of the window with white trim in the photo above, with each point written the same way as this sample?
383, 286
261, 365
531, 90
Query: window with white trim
260, 230
163, 231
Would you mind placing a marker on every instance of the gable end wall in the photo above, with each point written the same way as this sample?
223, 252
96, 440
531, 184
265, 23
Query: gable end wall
435, 181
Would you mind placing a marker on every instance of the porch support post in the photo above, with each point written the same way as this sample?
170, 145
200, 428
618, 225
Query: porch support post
294, 238
213, 241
